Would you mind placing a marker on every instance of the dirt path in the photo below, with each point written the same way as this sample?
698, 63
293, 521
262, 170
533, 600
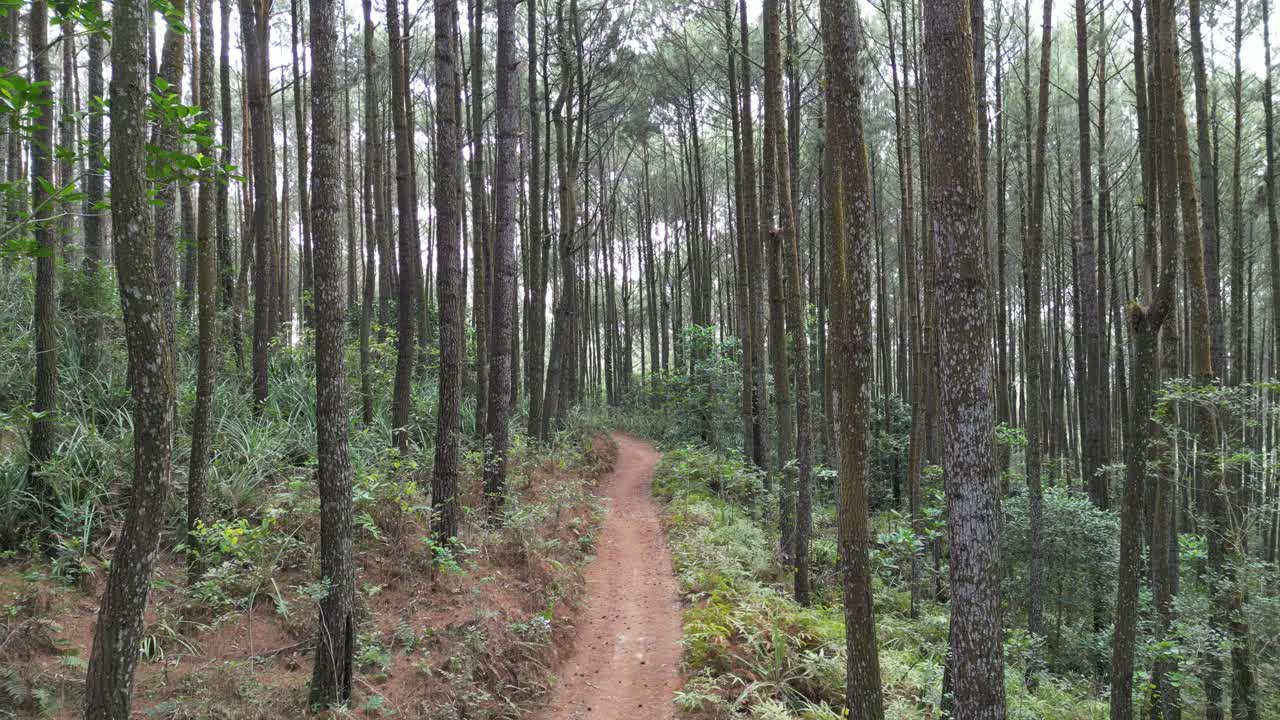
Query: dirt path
626, 661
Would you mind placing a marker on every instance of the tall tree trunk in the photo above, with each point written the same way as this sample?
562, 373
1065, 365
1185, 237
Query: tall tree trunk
46, 307
95, 192
480, 261
504, 267
1203, 368
406, 230
742, 329
306, 286
207, 277
449, 287
67, 134
797, 331
1086, 298
1243, 705
1123, 642
1273, 224
120, 615
775, 128
535, 241
755, 271
253, 34
1032, 262
284, 326
849, 193
1147, 321
331, 676
916, 442
373, 210
226, 254
562, 375
1004, 391
965, 365
354, 265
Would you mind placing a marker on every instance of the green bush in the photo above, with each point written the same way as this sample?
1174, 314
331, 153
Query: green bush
1081, 561
701, 400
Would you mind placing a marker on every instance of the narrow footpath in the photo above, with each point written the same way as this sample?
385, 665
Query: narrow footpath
626, 658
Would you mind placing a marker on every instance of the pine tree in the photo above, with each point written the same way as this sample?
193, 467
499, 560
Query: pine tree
335, 643
498, 438
449, 286
955, 203
120, 615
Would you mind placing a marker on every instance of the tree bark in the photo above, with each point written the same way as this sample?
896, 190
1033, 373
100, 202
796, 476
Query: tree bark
797, 331
965, 365
480, 229
331, 675
752, 226
1090, 427
1159, 165
306, 286
207, 278
849, 195
506, 170
775, 128
226, 254
373, 213
120, 617
95, 192
253, 33
406, 231
535, 241
46, 301
1032, 262
448, 192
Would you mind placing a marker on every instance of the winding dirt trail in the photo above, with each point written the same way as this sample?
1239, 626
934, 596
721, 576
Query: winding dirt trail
626, 659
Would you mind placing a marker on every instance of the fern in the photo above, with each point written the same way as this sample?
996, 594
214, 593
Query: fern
12, 686
46, 702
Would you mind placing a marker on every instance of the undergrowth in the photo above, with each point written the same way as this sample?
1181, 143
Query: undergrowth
750, 651
472, 631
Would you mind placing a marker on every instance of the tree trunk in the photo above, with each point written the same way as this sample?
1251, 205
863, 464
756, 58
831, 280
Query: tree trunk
95, 192
753, 224
535, 242
1147, 321
226, 255
372, 210
849, 192
506, 169
120, 617
304, 204
480, 262
743, 327
1243, 705
331, 675
563, 371
771, 224
1086, 298
797, 332
406, 231
253, 33
965, 365
46, 308
1032, 262
448, 192
207, 277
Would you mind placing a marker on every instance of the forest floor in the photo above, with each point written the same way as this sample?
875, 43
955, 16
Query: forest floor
626, 658
481, 639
